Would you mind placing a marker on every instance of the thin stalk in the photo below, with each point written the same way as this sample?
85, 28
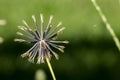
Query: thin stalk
50, 67
108, 26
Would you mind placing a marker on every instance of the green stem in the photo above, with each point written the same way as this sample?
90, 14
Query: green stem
108, 26
51, 70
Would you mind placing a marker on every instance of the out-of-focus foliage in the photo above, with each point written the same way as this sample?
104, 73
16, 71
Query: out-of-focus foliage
40, 75
1, 40
91, 53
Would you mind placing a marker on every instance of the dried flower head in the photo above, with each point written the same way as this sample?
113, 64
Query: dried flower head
43, 39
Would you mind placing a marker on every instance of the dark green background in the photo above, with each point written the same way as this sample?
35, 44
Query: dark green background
91, 53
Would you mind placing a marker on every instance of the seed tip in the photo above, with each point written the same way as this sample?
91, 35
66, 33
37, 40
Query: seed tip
66, 42
41, 16
33, 17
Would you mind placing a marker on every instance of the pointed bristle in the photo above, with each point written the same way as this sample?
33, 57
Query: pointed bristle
50, 20
66, 42
61, 50
20, 27
61, 30
24, 55
19, 33
41, 17
19, 40
62, 47
48, 56
59, 24
56, 55
31, 59
24, 22
40, 60
34, 19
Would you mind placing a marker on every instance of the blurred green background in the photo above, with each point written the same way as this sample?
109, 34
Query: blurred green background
91, 53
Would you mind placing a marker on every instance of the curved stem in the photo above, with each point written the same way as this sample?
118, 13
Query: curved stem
50, 67
108, 26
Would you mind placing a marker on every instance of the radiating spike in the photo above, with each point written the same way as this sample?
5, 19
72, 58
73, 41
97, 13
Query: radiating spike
61, 30
49, 25
66, 42
60, 42
39, 60
19, 40
33, 54
61, 50
35, 22
56, 56
59, 24
30, 53
42, 59
25, 54
39, 54
37, 33
54, 29
25, 23
35, 51
50, 20
30, 59
62, 47
42, 25
32, 34
41, 17
19, 33
48, 55
34, 19
20, 27
55, 34
57, 47
29, 35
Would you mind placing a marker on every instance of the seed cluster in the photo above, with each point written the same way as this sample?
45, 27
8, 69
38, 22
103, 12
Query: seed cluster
43, 39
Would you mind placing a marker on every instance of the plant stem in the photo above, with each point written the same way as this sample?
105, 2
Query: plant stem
108, 26
51, 70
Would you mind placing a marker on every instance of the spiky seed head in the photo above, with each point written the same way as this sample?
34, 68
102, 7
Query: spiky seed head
42, 40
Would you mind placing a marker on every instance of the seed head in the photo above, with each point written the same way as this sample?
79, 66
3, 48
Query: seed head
43, 39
